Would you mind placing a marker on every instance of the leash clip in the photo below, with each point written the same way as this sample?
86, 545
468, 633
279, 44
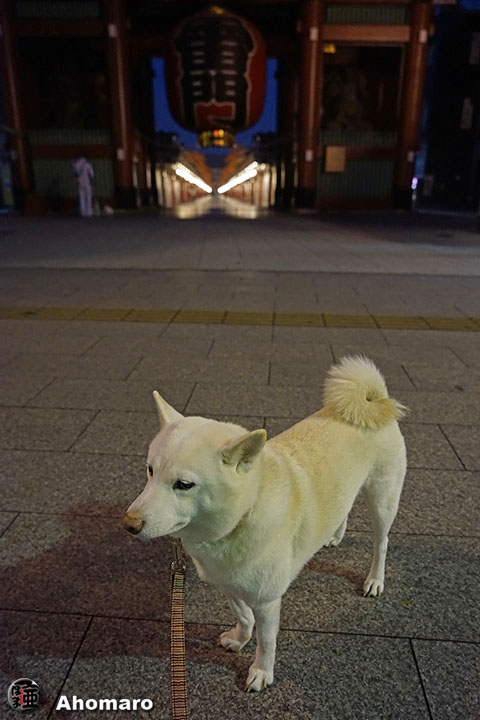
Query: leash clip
179, 564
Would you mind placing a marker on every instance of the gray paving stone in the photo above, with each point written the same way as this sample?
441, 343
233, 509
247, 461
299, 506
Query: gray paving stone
121, 659
378, 305
163, 349
165, 367
450, 675
177, 331
246, 333
189, 331
283, 352
254, 400
111, 394
346, 669
16, 389
111, 366
32, 429
319, 354
324, 245
69, 482
130, 658
442, 407
470, 355
238, 371
25, 328
466, 441
119, 433
440, 502
129, 334
73, 343
85, 565
298, 373
7, 355
427, 447
361, 338
446, 378
40, 647
304, 335
240, 348
431, 590
426, 338
435, 502
5, 520
210, 370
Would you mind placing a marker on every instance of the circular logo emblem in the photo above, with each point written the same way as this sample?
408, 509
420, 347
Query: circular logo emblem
24, 695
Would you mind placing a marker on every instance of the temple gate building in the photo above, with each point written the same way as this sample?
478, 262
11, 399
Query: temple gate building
77, 81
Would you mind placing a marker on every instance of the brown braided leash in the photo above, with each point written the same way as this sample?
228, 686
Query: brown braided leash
178, 672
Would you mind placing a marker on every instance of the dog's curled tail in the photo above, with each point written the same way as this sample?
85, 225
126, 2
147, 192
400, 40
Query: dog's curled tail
355, 392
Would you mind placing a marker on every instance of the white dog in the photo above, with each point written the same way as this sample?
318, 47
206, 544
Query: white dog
251, 514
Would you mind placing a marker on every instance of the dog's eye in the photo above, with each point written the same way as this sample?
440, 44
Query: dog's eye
150, 470
183, 485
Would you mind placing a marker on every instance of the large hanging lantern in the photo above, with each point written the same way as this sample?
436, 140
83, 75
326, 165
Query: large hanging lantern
216, 72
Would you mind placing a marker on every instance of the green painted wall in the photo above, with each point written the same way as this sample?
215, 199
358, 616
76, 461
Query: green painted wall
69, 136
361, 179
58, 9
55, 178
367, 15
358, 138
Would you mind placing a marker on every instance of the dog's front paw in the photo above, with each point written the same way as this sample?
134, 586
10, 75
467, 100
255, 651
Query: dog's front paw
230, 640
333, 542
372, 587
258, 679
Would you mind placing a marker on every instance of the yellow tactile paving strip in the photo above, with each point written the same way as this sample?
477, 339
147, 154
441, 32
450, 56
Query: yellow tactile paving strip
236, 317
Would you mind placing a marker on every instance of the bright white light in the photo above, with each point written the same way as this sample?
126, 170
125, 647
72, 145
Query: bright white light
183, 172
246, 174
414, 183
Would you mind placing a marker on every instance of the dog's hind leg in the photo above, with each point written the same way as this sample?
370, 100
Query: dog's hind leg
382, 495
337, 536
236, 638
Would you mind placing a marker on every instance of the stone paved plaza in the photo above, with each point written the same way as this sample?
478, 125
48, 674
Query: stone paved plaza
235, 319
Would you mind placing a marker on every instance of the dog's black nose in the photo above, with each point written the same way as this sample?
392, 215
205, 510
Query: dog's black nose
133, 522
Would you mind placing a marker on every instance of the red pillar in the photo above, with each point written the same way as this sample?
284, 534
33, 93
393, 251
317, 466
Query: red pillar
309, 100
120, 97
142, 175
288, 105
412, 97
15, 119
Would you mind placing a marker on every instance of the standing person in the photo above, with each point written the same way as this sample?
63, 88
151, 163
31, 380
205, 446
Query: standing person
83, 171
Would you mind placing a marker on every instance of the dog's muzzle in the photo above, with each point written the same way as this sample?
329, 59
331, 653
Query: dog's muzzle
133, 522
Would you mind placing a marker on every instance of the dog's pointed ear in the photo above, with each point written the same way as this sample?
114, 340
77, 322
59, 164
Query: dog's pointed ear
166, 412
241, 452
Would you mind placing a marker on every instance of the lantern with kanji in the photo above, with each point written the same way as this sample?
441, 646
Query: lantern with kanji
216, 72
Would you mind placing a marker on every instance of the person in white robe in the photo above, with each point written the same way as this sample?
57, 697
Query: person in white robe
83, 171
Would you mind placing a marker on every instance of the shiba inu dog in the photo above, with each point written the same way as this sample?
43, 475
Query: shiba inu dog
251, 513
